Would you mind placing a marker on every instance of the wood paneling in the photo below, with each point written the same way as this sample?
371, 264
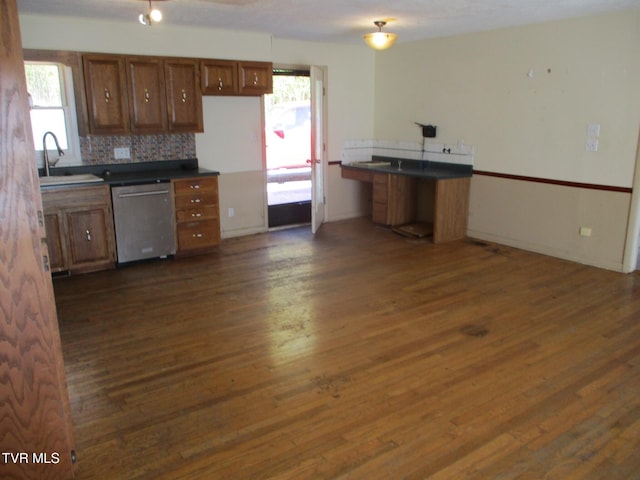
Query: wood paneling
34, 407
356, 354
451, 209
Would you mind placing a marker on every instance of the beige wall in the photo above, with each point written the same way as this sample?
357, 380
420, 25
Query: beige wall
476, 88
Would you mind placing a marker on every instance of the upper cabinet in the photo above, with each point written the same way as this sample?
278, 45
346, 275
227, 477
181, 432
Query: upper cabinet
184, 97
219, 77
256, 78
144, 94
106, 89
145, 84
228, 77
129, 94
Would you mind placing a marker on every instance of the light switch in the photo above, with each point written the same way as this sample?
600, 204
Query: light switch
593, 130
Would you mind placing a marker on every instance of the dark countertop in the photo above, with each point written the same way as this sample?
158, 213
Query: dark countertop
134, 173
414, 168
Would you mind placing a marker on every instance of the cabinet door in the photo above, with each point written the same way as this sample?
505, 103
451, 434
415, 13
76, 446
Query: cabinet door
106, 94
147, 99
219, 77
54, 237
256, 78
88, 242
184, 97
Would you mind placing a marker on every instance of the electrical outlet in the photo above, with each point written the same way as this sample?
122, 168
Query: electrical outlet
592, 145
231, 212
121, 153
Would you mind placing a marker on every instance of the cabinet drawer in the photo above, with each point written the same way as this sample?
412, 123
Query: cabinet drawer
357, 174
196, 214
197, 199
380, 188
379, 213
194, 185
198, 235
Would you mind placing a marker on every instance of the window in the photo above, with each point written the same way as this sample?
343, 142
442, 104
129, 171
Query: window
50, 87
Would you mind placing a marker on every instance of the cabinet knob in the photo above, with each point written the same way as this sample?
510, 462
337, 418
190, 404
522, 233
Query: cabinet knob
196, 214
198, 235
88, 233
195, 200
184, 96
147, 96
219, 83
107, 95
255, 79
195, 186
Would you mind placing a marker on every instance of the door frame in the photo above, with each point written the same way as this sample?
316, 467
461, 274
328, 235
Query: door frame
632, 243
318, 165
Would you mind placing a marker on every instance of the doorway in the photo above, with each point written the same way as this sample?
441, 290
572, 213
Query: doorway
288, 148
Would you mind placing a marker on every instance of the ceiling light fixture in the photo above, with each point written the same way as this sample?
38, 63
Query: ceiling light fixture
153, 16
380, 40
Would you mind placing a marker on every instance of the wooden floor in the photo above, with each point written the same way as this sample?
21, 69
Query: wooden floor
357, 354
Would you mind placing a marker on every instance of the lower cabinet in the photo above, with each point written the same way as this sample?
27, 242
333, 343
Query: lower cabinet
197, 214
394, 199
79, 228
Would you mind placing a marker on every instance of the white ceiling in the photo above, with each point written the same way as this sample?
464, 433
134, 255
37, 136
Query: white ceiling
343, 21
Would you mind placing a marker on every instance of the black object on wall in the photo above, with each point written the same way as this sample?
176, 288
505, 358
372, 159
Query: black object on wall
428, 131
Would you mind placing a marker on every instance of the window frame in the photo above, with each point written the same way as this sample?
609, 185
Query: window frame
72, 154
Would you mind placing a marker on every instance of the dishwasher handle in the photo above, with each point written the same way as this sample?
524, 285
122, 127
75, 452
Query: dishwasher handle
143, 194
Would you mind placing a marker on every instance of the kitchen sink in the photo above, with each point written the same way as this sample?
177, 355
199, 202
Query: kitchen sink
69, 179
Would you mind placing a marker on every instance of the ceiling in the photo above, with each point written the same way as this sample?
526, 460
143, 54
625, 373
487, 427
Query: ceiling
341, 21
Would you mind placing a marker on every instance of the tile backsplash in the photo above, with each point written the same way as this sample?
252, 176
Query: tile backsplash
98, 150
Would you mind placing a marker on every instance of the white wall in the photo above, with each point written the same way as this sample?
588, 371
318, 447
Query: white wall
229, 141
476, 88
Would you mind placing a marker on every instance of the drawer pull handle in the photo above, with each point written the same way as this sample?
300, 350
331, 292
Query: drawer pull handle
196, 214
198, 235
184, 96
107, 95
255, 79
147, 96
196, 200
88, 233
195, 186
219, 83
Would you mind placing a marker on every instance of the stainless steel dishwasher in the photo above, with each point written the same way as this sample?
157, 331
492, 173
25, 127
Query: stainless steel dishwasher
144, 221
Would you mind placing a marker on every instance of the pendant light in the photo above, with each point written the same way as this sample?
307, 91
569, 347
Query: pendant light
380, 40
152, 16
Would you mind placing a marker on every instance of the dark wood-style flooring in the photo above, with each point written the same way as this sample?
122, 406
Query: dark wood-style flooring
357, 354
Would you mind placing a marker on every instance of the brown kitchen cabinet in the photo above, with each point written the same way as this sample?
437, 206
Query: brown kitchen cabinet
219, 77
197, 214
256, 78
147, 97
230, 77
79, 228
184, 97
394, 199
106, 92
135, 94
399, 199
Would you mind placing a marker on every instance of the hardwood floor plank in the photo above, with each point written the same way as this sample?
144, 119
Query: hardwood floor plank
355, 354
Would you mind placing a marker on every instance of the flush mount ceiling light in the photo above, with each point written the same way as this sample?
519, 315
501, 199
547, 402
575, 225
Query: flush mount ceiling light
152, 16
380, 40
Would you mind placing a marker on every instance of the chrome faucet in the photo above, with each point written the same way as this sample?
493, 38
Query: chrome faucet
45, 153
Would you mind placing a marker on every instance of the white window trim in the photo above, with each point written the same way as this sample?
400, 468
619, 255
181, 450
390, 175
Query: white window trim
72, 154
